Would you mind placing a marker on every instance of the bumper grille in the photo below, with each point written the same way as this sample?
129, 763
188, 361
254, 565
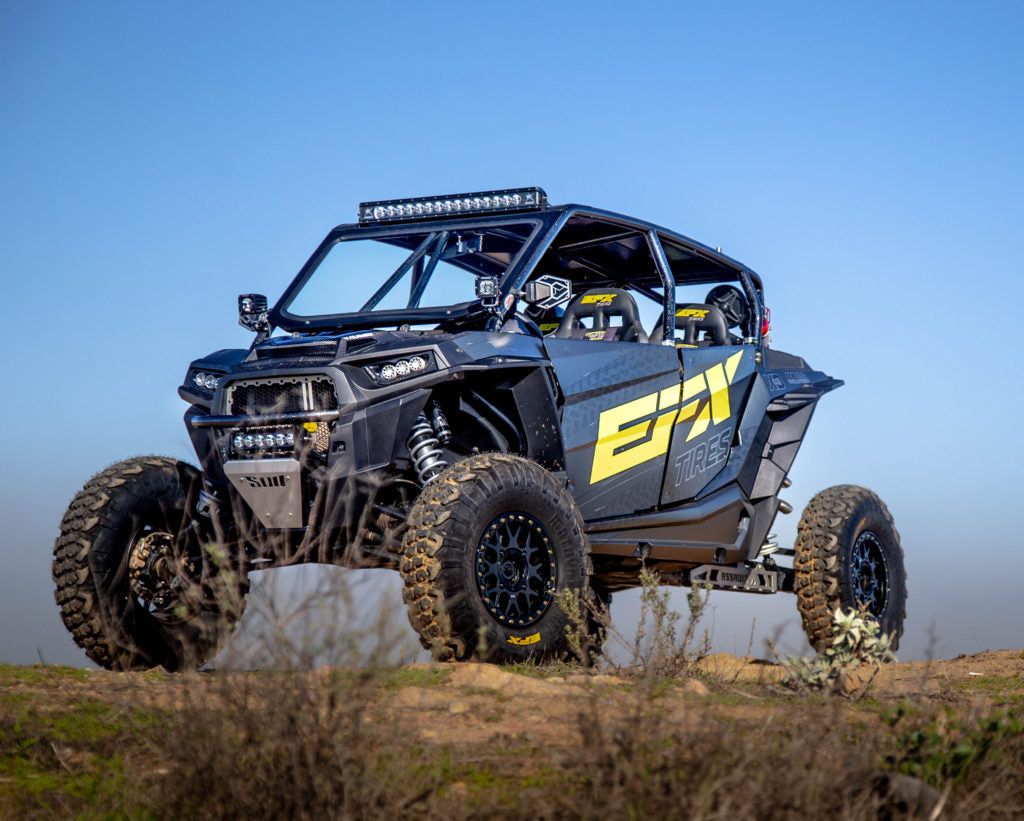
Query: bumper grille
253, 397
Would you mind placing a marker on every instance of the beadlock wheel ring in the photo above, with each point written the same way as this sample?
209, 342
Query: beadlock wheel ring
516, 569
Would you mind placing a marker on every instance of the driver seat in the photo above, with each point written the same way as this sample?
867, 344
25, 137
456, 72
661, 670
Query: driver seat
600, 305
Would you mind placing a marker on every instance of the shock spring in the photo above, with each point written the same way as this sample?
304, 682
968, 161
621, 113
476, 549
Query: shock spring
427, 458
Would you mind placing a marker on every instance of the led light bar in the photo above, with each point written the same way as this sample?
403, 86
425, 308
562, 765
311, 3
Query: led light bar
263, 441
508, 200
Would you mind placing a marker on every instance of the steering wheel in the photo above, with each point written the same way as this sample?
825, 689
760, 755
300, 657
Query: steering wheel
731, 301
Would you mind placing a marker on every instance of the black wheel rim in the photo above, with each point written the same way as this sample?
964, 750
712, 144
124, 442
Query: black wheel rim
516, 569
869, 574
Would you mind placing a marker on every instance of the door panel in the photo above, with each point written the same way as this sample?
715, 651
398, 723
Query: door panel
621, 401
715, 384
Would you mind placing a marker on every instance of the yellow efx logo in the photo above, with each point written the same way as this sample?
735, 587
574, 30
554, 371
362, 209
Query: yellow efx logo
639, 430
698, 313
598, 299
524, 640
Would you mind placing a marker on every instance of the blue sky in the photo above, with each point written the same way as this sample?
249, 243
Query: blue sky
865, 159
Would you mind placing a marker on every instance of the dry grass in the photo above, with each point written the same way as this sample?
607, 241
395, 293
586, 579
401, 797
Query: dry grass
372, 739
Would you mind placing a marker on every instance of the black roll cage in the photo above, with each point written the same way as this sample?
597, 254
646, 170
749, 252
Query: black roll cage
550, 220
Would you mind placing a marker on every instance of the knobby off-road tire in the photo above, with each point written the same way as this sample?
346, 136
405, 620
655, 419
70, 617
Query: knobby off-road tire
848, 553
128, 502
491, 542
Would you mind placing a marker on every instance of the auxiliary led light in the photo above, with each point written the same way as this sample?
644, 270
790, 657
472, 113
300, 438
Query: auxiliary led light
511, 199
262, 441
384, 373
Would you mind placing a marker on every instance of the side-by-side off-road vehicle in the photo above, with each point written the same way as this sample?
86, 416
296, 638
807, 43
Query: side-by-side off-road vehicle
502, 399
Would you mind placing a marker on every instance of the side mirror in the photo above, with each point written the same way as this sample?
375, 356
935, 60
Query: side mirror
252, 313
547, 292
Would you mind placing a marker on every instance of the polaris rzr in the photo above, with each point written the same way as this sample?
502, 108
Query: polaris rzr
501, 399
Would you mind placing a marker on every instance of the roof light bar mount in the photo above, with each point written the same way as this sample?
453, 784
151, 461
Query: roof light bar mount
503, 201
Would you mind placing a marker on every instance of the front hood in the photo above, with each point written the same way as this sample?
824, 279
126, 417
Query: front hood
328, 347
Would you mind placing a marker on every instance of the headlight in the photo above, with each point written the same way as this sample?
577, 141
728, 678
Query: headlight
205, 380
395, 370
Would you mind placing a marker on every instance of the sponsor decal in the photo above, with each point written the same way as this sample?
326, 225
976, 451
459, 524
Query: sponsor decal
594, 334
697, 313
632, 433
598, 299
713, 383
703, 456
524, 640
640, 430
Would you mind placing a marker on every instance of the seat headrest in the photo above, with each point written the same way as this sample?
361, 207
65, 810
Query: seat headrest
599, 304
693, 317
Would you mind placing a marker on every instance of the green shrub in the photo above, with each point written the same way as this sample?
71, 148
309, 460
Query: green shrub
856, 642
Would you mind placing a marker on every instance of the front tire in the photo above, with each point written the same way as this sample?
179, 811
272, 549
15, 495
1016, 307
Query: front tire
848, 555
136, 586
491, 543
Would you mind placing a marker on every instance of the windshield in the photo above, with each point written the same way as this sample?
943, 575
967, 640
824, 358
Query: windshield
414, 274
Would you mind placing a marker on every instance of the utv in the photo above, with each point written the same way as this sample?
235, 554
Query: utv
501, 399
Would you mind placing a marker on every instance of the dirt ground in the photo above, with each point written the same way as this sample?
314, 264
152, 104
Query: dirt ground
471, 703
475, 739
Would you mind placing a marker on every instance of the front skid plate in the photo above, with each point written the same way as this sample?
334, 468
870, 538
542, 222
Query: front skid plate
271, 487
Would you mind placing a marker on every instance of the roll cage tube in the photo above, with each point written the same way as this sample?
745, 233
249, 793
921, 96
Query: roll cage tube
424, 254
514, 280
516, 276
420, 282
668, 316
757, 311
399, 272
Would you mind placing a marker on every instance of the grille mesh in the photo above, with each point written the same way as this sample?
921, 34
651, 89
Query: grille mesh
260, 396
323, 395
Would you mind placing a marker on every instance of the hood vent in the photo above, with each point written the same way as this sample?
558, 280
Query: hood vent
299, 348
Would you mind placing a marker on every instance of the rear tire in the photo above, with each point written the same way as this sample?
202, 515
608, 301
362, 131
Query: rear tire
491, 543
848, 554
133, 511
